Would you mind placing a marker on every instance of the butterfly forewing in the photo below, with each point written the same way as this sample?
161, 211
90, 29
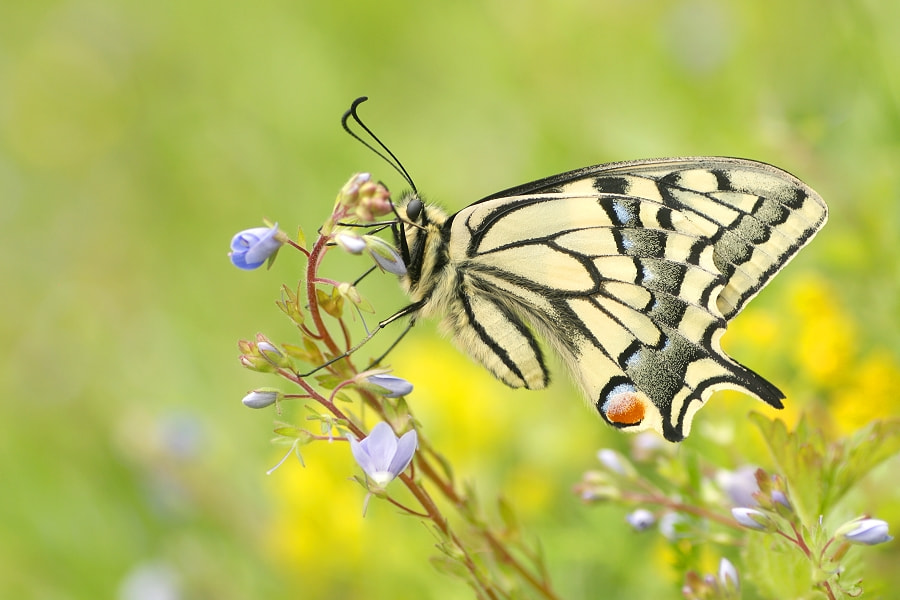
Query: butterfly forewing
630, 271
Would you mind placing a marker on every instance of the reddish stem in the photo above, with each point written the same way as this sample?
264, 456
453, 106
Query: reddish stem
312, 266
485, 587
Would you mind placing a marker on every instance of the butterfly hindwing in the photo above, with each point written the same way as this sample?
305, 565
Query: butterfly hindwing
630, 271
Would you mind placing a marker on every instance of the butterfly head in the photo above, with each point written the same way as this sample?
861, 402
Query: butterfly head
419, 235
414, 206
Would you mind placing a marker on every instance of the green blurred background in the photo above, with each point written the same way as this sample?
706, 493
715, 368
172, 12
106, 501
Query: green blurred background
137, 137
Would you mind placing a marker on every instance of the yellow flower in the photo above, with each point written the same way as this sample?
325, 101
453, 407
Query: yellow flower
872, 392
826, 341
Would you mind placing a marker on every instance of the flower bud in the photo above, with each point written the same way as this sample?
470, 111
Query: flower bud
616, 463
268, 351
780, 498
597, 486
641, 519
383, 384
350, 242
262, 397
868, 532
753, 519
385, 256
374, 201
728, 576
256, 363
610, 459
673, 526
348, 197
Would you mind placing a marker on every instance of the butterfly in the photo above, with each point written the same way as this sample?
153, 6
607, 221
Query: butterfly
629, 271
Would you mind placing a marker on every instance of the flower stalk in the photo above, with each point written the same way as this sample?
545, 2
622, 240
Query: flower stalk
382, 455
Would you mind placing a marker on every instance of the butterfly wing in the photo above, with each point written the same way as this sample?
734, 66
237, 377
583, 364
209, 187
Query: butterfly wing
632, 287
757, 216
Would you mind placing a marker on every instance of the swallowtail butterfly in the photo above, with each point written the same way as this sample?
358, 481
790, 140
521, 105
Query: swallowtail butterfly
630, 271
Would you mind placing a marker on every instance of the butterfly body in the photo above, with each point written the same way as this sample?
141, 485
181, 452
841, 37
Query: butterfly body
629, 271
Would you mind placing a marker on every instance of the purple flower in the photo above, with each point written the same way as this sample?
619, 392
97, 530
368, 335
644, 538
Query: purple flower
252, 247
641, 519
864, 531
382, 455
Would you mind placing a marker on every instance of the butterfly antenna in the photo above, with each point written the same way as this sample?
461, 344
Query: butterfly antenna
387, 155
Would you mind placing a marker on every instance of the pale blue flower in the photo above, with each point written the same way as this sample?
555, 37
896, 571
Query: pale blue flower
641, 519
252, 247
382, 455
865, 531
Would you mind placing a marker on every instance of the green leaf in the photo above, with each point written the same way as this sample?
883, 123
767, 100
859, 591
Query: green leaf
290, 304
819, 473
343, 397
778, 569
332, 303
865, 450
328, 381
449, 566
284, 430
309, 353
301, 237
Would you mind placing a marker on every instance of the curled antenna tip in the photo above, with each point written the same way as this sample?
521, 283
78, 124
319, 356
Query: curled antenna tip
387, 155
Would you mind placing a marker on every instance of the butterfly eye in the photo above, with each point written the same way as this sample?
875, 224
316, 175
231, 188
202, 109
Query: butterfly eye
414, 209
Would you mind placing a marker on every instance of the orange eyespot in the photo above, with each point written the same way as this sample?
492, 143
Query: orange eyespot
624, 408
